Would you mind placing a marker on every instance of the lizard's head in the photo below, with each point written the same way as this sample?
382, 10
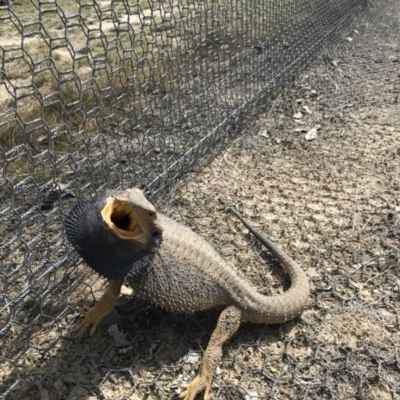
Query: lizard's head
117, 234
131, 216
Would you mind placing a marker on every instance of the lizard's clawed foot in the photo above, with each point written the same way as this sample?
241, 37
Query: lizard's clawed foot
92, 317
198, 385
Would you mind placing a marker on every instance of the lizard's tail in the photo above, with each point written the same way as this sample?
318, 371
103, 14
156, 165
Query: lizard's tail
280, 308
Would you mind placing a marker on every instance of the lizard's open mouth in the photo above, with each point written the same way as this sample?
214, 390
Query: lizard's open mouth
119, 216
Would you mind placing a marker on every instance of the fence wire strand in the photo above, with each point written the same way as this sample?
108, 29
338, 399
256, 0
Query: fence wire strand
286, 110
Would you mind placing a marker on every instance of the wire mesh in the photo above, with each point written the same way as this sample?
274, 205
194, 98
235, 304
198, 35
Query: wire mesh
154, 94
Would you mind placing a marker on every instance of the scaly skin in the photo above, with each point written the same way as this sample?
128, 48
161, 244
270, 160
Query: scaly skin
175, 268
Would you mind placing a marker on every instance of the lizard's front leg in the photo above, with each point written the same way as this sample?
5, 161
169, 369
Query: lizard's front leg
228, 323
106, 303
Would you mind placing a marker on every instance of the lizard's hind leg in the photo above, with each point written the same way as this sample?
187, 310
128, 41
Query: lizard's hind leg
228, 324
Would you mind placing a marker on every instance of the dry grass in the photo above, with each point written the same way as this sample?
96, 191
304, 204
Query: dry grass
73, 77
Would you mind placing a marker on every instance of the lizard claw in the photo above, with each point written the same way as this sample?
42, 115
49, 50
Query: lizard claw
92, 317
198, 385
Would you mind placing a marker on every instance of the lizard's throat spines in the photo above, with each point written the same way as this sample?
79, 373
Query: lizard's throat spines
100, 248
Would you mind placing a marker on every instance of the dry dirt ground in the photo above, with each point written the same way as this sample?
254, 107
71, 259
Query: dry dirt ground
332, 202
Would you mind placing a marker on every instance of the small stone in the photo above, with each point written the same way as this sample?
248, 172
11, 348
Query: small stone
264, 134
311, 134
298, 115
251, 395
300, 130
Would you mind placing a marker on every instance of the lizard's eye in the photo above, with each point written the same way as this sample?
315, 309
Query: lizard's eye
151, 215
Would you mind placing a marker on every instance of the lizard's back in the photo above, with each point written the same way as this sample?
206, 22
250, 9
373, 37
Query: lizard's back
188, 275
185, 274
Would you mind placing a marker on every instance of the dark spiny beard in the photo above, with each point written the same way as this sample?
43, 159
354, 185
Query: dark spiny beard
101, 249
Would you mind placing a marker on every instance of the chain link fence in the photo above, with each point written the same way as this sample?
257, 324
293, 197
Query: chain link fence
153, 94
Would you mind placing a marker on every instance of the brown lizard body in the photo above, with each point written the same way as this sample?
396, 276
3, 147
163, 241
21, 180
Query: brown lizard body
123, 238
